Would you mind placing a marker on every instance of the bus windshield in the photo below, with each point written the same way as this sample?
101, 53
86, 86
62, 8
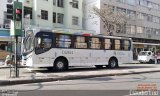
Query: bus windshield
43, 42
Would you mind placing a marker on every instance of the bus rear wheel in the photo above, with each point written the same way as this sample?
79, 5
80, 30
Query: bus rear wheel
113, 63
60, 65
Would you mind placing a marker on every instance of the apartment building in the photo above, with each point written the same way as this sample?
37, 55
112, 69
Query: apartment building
143, 24
54, 13
4, 23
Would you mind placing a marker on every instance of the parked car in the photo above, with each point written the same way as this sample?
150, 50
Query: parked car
146, 57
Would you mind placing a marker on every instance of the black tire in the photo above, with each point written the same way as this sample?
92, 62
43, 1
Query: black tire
151, 61
50, 68
158, 61
113, 63
99, 66
60, 65
141, 62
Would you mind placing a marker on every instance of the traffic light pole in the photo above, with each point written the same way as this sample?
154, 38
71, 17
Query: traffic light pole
16, 61
16, 67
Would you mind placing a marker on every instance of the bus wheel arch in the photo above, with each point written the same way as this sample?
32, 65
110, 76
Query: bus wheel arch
113, 63
60, 63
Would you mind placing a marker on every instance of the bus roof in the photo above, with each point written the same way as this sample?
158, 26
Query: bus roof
73, 31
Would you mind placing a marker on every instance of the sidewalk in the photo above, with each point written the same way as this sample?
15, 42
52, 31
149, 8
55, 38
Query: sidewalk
44, 76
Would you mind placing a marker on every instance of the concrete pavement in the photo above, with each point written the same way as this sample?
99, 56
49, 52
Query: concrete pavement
41, 75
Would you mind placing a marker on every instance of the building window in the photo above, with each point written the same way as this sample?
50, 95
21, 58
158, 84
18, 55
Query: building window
121, 1
121, 28
156, 19
143, 2
60, 18
54, 17
131, 2
60, 3
133, 29
75, 20
75, 4
121, 10
54, 2
140, 29
28, 11
44, 14
148, 30
131, 14
140, 16
150, 18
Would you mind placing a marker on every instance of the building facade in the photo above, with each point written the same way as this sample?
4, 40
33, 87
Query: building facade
4, 23
66, 14
54, 13
143, 24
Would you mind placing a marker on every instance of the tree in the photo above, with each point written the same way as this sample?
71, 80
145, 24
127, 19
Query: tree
111, 19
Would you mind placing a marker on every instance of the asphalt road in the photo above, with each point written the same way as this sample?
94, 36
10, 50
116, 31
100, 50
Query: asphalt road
116, 85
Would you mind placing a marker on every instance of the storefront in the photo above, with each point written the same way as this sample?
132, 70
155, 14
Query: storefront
4, 39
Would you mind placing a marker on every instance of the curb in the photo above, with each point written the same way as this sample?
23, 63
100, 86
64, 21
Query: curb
73, 77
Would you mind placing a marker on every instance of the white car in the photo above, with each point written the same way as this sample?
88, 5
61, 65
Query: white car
146, 57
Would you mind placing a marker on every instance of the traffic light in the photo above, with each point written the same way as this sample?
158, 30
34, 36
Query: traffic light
18, 14
10, 11
16, 22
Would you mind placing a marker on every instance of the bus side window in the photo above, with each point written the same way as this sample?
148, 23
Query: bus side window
107, 43
95, 43
117, 44
80, 42
63, 41
127, 45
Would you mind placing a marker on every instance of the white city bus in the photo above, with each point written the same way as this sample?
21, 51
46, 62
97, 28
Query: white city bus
58, 51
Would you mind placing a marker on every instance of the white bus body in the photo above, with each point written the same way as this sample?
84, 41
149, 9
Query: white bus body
61, 58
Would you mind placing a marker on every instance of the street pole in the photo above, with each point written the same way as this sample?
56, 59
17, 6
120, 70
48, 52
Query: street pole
17, 72
16, 63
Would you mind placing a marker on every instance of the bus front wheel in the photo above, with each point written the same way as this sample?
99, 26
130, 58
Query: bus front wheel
113, 63
60, 65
